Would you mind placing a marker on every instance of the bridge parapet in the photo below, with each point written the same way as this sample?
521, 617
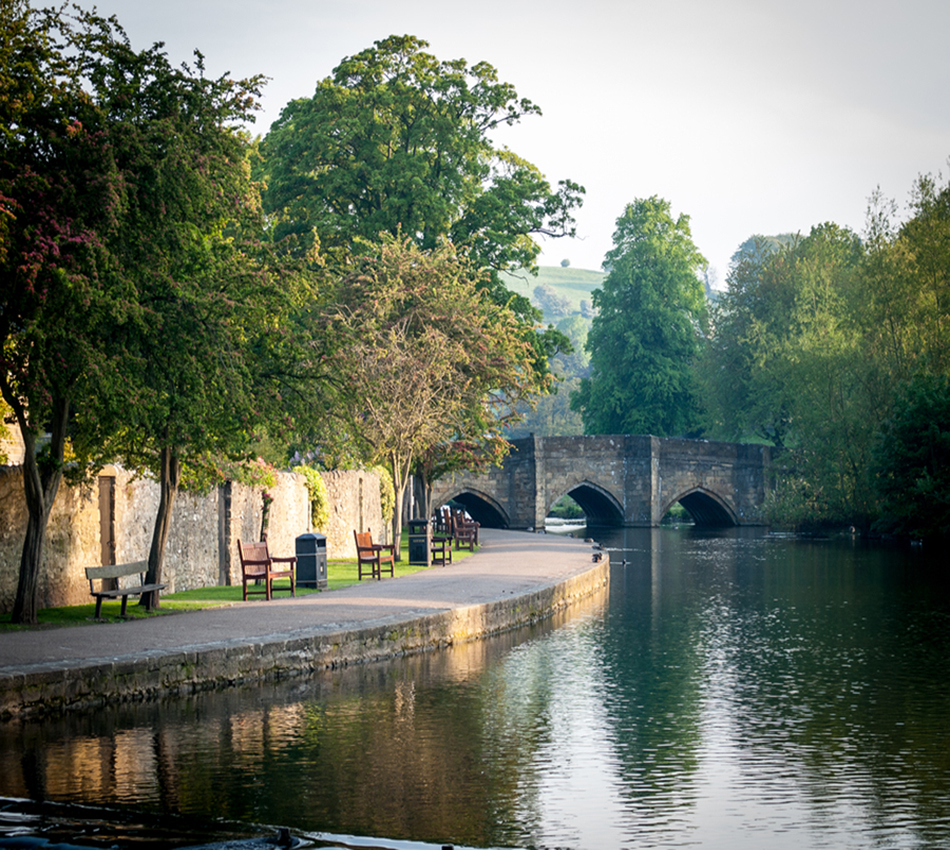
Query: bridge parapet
626, 480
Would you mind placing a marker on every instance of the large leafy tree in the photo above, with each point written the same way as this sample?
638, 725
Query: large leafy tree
788, 363
827, 382
62, 195
129, 293
397, 140
647, 333
835, 349
209, 304
752, 320
423, 356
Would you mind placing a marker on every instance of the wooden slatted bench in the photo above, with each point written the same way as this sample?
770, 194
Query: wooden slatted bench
118, 572
371, 553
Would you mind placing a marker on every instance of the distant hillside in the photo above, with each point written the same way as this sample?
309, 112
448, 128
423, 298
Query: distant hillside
575, 285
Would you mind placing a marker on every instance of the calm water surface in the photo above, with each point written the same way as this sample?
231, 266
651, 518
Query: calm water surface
730, 690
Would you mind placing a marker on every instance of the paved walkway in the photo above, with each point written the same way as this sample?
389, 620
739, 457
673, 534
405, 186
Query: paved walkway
509, 565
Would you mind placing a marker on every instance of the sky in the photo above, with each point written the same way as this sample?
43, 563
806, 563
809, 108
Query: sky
749, 116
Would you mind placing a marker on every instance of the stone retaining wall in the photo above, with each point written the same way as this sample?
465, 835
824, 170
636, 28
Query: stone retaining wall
236, 662
202, 543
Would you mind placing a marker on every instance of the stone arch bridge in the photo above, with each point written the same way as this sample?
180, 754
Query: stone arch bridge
617, 480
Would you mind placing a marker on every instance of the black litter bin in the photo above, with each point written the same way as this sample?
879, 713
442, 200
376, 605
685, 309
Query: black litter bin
419, 542
312, 560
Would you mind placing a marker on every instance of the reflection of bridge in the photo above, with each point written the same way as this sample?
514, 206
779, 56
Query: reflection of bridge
623, 480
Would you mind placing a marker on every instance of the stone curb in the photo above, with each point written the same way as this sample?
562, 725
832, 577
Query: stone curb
47, 688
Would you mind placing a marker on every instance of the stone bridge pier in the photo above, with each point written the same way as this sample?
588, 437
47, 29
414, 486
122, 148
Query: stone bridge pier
617, 480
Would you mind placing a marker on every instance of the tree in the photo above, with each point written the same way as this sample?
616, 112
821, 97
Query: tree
124, 272
751, 322
61, 199
399, 141
923, 247
648, 329
829, 384
552, 416
192, 391
787, 363
912, 460
424, 356
552, 304
824, 343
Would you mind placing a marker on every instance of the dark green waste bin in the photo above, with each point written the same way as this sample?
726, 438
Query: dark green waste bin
419, 542
311, 560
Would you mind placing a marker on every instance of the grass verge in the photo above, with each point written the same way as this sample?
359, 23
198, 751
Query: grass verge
340, 573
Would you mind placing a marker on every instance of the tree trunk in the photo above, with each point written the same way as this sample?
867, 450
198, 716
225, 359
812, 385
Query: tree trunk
168, 481
400, 473
40, 485
425, 497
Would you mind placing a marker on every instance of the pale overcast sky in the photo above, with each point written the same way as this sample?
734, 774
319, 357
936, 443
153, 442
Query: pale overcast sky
751, 116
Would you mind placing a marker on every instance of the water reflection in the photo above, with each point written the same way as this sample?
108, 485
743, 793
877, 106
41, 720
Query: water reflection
799, 690
436, 747
732, 690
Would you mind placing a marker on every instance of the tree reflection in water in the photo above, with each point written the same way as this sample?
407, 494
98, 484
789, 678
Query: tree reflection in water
730, 689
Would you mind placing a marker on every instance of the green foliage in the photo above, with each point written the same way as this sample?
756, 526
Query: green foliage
792, 504
566, 508
420, 355
203, 473
752, 321
836, 350
648, 330
912, 460
551, 304
319, 497
786, 365
552, 415
387, 492
62, 195
397, 141
758, 247
677, 515
133, 290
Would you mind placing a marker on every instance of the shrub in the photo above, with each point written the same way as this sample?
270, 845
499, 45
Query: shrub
319, 497
387, 492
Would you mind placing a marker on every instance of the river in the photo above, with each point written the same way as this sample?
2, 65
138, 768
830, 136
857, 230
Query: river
732, 689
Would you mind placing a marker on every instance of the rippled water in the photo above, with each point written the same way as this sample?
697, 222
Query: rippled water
732, 690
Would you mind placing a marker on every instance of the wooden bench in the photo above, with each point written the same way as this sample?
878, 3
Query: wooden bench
464, 531
120, 571
371, 553
257, 564
441, 549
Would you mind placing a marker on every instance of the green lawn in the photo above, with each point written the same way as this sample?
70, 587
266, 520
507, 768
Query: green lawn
341, 573
574, 284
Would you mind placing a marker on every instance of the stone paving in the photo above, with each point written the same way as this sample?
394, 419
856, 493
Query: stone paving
514, 579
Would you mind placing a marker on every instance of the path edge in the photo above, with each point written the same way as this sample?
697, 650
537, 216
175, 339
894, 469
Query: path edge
180, 672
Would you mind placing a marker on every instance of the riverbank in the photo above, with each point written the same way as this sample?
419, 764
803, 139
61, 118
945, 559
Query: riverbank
514, 580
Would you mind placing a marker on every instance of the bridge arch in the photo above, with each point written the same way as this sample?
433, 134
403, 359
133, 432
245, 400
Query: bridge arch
600, 506
705, 507
481, 507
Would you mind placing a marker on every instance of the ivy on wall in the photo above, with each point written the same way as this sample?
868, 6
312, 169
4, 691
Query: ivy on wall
319, 498
387, 492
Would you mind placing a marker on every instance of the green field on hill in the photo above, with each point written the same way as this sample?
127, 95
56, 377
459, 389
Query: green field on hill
574, 284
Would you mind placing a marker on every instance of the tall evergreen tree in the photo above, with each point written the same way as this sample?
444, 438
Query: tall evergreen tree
648, 329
